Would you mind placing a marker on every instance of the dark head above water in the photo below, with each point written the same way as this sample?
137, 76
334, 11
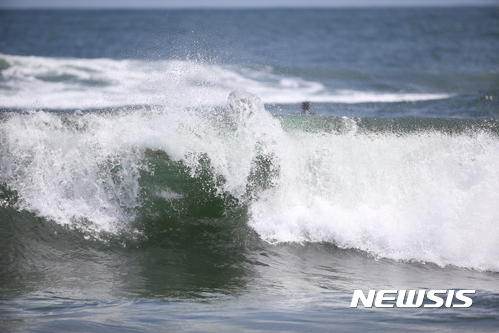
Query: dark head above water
305, 108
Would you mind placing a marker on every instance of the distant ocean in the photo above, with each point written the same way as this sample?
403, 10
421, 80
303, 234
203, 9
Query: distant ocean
133, 198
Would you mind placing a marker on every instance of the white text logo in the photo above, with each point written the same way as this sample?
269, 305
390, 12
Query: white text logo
408, 298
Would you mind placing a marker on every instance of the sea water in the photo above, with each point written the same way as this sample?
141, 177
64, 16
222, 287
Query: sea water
136, 195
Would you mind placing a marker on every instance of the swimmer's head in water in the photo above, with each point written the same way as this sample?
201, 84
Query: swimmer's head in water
245, 104
305, 107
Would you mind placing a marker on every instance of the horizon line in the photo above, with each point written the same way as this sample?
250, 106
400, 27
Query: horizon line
243, 7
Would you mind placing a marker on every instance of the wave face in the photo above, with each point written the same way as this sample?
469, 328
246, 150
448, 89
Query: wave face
406, 189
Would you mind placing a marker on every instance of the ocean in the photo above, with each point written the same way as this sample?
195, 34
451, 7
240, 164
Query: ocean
157, 172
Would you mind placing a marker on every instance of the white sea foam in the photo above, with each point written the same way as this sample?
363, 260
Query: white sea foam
63, 83
425, 197
69, 175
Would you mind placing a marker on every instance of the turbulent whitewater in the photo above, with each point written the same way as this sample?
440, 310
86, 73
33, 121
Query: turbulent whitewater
425, 195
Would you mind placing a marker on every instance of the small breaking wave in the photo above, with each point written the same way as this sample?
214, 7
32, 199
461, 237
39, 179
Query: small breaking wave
81, 84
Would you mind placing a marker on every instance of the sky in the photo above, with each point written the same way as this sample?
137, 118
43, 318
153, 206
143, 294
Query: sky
233, 3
